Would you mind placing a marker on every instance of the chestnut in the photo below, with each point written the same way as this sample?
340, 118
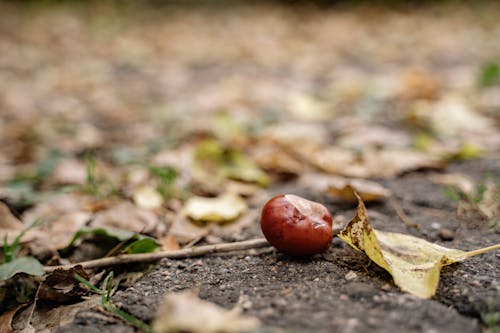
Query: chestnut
296, 226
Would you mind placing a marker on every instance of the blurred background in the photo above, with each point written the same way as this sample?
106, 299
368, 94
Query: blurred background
289, 85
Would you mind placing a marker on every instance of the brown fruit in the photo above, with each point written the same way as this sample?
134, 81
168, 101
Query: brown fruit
296, 226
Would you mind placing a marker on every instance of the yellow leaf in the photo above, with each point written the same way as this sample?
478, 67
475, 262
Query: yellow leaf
215, 162
147, 197
224, 208
414, 263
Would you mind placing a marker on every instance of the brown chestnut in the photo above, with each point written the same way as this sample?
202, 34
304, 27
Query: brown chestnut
296, 226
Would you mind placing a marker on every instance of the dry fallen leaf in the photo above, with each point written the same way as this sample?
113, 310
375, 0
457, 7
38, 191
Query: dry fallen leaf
456, 180
419, 84
368, 191
184, 312
343, 188
481, 197
223, 208
51, 319
70, 171
62, 215
489, 205
147, 197
373, 163
414, 263
56, 206
452, 115
184, 231
363, 134
10, 226
308, 108
57, 233
275, 159
6, 319
169, 243
61, 287
126, 216
297, 135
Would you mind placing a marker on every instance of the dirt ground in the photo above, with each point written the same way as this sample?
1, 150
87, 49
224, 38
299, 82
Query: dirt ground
335, 292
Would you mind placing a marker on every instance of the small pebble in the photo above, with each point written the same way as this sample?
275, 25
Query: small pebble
446, 234
476, 283
181, 265
328, 256
246, 305
359, 290
435, 225
351, 275
386, 287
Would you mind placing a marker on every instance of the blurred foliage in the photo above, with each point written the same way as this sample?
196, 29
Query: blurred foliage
166, 179
489, 75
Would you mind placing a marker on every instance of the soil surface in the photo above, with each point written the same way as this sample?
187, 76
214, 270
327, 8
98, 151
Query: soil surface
340, 290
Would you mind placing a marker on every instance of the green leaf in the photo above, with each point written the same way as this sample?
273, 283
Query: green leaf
166, 174
28, 265
214, 160
135, 243
144, 245
241, 167
118, 234
87, 284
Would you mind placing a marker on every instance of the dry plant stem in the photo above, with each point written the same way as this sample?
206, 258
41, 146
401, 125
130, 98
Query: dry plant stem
401, 214
196, 240
479, 251
177, 254
34, 305
475, 206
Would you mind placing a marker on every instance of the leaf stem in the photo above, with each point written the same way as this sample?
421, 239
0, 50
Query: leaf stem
476, 252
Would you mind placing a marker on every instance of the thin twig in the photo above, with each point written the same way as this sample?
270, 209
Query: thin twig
149, 257
401, 214
196, 240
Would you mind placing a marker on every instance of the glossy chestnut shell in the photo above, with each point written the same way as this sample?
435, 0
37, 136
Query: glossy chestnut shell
296, 226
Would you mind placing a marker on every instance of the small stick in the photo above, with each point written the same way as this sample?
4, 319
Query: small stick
401, 214
177, 254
